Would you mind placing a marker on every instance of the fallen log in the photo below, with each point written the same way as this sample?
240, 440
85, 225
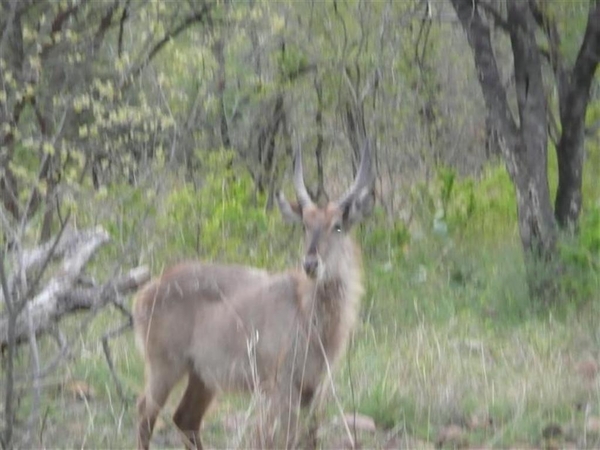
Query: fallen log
62, 293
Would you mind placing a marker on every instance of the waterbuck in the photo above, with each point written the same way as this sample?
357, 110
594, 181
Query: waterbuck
231, 327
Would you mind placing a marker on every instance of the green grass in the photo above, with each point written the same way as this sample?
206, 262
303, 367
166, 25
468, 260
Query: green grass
430, 351
447, 336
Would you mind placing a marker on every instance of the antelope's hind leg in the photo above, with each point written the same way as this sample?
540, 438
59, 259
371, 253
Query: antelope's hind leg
192, 407
160, 380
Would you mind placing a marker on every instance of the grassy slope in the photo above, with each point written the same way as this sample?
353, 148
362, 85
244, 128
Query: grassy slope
431, 351
447, 338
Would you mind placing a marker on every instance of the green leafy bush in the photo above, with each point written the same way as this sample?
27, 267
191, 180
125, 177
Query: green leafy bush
220, 220
478, 209
382, 240
580, 259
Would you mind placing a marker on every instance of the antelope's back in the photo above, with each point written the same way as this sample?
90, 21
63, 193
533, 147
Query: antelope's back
165, 310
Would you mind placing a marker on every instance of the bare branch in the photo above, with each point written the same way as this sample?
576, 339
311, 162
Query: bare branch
61, 297
6, 437
105, 22
112, 334
57, 24
4, 284
531, 97
33, 286
9, 24
88, 298
587, 60
197, 17
35, 362
124, 17
553, 55
573, 105
494, 93
44, 306
62, 353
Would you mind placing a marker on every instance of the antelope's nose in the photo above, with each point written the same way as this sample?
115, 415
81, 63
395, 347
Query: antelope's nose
311, 262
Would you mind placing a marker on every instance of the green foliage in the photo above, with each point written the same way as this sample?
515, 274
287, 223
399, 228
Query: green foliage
384, 404
458, 279
469, 209
220, 220
291, 63
381, 239
571, 18
457, 199
434, 347
585, 251
580, 260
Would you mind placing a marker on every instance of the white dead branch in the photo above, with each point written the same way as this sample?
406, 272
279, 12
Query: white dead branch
62, 292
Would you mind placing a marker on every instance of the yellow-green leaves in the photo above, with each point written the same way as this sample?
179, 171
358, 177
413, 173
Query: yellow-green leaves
277, 23
48, 148
105, 89
83, 131
81, 102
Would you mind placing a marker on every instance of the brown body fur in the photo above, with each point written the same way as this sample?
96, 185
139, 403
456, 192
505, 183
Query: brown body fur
238, 328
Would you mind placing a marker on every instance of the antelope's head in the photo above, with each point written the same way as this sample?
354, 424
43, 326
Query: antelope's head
326, 227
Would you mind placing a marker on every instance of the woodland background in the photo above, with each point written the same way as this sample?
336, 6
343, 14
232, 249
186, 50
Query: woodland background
144, 132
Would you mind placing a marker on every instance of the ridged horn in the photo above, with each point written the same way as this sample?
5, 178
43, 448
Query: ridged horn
301, 193
364, 177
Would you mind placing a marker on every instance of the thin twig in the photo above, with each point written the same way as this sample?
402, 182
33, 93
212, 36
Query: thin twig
338, 403
63, 352
6, 437
9, 25
110, 335
4, 284
35, 360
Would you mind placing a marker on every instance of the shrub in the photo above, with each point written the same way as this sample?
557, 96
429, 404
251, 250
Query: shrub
220, 220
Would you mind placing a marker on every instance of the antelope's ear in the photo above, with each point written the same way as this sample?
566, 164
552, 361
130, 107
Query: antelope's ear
291, 212
359, 207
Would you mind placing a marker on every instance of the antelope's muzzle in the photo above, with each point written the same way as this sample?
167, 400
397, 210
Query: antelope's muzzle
311, 264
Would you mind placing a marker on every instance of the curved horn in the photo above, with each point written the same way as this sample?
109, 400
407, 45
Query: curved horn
364, 177
301, 192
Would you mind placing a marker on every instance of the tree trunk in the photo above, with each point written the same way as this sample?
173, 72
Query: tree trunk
536, 219
537, 226
574, 92
524, 142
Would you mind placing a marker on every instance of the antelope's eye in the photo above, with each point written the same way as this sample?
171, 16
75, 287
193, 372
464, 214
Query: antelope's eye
337, 228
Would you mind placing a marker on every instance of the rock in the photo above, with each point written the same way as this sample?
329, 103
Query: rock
552, 431
357, 421
552, 435
360, 422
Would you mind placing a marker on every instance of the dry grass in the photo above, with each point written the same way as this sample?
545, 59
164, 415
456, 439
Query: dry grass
496, 387
434, 362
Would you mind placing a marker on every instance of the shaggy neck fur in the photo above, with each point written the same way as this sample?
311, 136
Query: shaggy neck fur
334, 300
